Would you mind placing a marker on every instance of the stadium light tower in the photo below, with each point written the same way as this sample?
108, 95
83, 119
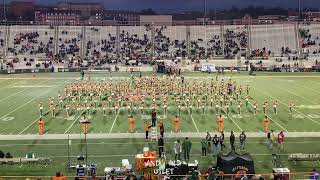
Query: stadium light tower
299, 8
204, 10
4, 11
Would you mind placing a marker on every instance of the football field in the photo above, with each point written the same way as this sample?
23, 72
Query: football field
20, 95
19, 115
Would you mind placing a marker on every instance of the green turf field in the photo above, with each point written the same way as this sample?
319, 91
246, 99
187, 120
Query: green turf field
20, 94
19, 111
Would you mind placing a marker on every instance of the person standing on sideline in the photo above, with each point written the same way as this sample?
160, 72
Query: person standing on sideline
266, 123
216, 143
204, 145
41, 124
220, 123
177, 150
153, 118
186, 146
270, 137
161, 127
146, 129
242, 138
222, 140
208, 138
281, 139
176, 124
131, 124
232, 139
160, 146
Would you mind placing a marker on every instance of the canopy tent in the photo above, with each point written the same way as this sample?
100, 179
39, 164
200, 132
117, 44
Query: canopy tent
234, 163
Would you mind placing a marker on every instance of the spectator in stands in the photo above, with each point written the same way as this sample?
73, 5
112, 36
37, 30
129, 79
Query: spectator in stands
234, 41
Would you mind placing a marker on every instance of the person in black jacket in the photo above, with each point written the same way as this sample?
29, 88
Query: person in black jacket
1, 154
232, 139
160, 146
153, 118
222, 140
216, 143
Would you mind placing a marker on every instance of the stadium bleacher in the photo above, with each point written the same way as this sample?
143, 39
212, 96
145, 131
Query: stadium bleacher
29, 47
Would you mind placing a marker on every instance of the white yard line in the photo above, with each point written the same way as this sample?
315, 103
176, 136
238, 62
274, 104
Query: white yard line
297, 95
277, 124
314, 82
234, 122
132, 155
296, 84
287, 105
115, 119
9, 86
274, 121
194, 123
11, 95
31, 124
140, 143
142, 135
25, 104
73, 122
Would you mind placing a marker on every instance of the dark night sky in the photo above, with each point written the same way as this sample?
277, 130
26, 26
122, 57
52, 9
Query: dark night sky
164, 6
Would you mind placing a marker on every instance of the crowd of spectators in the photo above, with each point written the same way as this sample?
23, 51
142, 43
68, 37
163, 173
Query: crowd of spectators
69, 45
309, 40
287, 51
165, 47
234, 41
31, 43
101, 48
201, 49
261, 52
133, 46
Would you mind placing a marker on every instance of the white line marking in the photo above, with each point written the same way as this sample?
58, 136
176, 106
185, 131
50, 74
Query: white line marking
234, 122
31, 124
73, 123
132, 155
314, 82
274, 121
296, 84
194, 123
287, 105
277, 123
11, 95
297, 95
25, 103
142, 143
114, 121
10, 85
